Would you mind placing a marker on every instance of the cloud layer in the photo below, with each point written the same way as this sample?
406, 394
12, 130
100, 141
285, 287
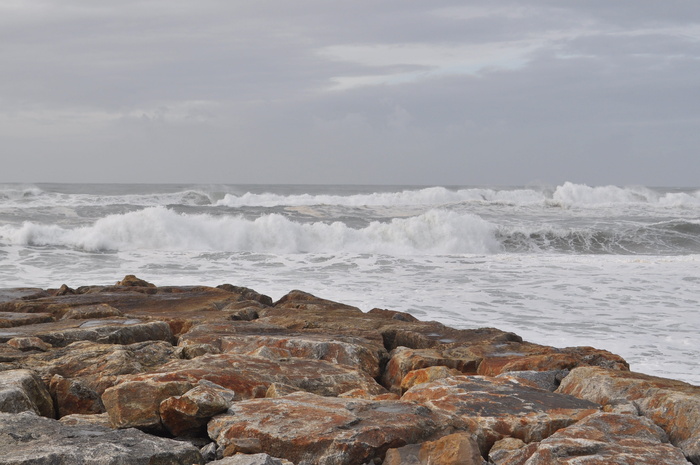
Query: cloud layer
381, 92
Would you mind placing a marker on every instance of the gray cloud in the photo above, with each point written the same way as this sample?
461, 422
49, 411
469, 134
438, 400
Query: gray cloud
357, 92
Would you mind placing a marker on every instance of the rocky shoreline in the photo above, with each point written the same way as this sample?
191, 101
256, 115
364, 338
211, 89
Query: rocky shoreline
139, 374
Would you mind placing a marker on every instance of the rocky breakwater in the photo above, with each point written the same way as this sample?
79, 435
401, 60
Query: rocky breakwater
139, 374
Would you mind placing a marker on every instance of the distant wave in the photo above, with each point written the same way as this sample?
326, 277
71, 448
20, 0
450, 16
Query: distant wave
159, 228
568, 195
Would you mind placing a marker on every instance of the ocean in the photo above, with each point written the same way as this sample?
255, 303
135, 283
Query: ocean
611, 267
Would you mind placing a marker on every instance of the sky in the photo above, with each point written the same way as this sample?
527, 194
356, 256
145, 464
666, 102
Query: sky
433, 92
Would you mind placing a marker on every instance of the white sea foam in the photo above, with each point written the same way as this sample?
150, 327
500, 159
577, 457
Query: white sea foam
159, 228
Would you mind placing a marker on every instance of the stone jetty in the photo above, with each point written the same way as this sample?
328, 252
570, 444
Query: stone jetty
139, 374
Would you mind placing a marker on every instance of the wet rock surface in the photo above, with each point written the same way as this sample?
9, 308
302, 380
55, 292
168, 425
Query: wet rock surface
239, 379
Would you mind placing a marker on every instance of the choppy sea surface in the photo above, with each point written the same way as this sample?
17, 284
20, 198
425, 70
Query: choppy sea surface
612, 267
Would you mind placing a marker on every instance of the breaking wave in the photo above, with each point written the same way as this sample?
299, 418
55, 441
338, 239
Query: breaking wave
159, 228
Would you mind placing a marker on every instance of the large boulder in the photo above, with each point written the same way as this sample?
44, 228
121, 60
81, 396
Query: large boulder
311, 430
29, 439
22, 391
454, 449
600, 439
492, 408
135, 400
673, 405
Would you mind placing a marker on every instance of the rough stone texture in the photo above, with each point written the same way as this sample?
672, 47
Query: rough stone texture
187, 415
253, 459
112, 331
29, 439
136, 404
454, 449
548, 380
426, 375
87, 312
135, 400
600, 439
403, 360
673, 405
344, 431
26, 344
12, 319
523, 356
80, 419
503, 449
79, 373
23, 390
353, 352
492, 408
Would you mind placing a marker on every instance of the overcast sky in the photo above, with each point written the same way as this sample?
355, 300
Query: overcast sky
364, 92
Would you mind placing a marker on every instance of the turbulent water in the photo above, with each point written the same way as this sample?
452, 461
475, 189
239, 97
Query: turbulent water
611, 267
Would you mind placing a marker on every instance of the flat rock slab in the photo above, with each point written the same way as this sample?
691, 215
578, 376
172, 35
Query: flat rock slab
673, 405
311, 430
12, 319
493, 408
110, 331
29, 439
601, 439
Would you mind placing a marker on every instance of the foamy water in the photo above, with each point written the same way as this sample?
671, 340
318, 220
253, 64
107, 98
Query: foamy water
610, 267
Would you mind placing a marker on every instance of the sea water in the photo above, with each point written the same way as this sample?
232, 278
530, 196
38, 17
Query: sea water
611, 267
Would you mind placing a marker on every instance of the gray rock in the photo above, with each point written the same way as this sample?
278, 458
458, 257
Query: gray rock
29, 439
547, 380
23, 390
252, 459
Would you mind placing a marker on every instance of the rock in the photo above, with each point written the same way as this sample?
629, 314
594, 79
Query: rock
87, 312
136, 404
135, 400
426, 375
503, 449
600, 439
22, 391
131, 280
13, 319
454, 449
673, 405
492, 408
28, 439
253, 459
353, 352
26, 344
403, 360
343, 432
79, 373
548, 380
80, 419
113, 331
74, 396
187, 415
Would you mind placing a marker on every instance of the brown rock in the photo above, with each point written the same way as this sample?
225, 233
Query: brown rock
600, 439
74, 396
492, 408
673, 405
131, 280
80, 419
22, 391
112, 331
503, 449
426, 375
344, 431
87, 312
403, 360
187, 415
13, 319
136, 404
454, 449
27, 344
354, 352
